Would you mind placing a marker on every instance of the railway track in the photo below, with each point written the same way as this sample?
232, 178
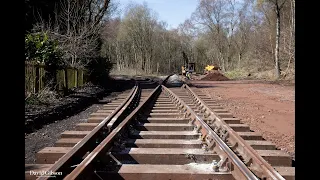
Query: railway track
155, 132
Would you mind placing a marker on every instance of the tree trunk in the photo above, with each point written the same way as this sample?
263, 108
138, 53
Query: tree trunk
157, 68
222, 62
293, 17
277, 65
293, 30
239, 61
169, 64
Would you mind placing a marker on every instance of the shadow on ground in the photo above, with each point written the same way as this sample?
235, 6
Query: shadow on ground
36, 116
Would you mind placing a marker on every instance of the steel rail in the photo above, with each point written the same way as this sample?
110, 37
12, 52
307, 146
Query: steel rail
106, 144
208, 133
259, 166
65, 162
84, 168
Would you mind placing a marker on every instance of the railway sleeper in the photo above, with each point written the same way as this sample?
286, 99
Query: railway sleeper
165, 106
109, 108
276, 157
104, 111
224, 115
250, 135
165, 111
164, 156
286, 172
86, 126
164, 127
161, 115
100, 114
261, 145
49, 155
110, 105
220, 111
74, 134
164, 102
115, 103
164, 120
95, 119
165, 135
174, 107
164, 143
231, 120
240, 127
67, 142
215, 107
160, 172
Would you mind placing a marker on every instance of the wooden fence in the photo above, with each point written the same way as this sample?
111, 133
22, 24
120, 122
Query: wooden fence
35, 73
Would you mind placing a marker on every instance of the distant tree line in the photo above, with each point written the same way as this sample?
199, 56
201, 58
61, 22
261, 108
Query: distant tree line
255, 35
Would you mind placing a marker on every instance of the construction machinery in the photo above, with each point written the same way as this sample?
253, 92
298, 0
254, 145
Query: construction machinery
190, 68
210, 68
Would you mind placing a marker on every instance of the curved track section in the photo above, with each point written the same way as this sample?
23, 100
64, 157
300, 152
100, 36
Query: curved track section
75, 145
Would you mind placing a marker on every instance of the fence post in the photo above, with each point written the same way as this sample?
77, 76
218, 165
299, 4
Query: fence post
37, 87
66, 78
80, 77
75, 77
41, 75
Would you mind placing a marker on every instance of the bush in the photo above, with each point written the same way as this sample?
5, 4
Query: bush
99, 69
38, 47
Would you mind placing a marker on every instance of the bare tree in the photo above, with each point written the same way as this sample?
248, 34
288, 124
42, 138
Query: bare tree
277, 7
77, 28
241, 39
80, 39
212, 14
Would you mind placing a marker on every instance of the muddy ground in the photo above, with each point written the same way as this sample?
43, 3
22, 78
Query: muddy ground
268, 108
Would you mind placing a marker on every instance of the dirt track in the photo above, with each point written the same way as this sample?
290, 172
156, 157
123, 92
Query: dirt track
266, 108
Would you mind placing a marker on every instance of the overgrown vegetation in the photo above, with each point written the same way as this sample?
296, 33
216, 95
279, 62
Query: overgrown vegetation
237, 74
66, 34
39, 47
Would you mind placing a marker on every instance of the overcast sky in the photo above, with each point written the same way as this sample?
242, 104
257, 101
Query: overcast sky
173, 12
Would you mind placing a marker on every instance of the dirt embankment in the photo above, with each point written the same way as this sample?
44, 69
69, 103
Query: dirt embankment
215, 76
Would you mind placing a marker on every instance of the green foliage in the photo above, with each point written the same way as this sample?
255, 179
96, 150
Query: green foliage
39, 47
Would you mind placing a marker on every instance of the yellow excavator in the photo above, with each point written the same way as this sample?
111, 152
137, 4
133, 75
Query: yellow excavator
209, 68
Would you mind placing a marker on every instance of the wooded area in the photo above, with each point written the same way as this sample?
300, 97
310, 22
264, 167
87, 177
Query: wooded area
254, 35
248, 35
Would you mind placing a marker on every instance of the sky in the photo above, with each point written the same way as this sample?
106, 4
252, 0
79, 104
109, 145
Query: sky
173, 12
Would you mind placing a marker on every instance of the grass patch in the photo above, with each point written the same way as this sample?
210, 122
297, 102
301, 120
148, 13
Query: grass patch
132, 72
236, 74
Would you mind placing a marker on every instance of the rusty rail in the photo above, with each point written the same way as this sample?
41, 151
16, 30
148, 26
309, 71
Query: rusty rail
105, 127
229, 160
255, 162
67, 162
84, 168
